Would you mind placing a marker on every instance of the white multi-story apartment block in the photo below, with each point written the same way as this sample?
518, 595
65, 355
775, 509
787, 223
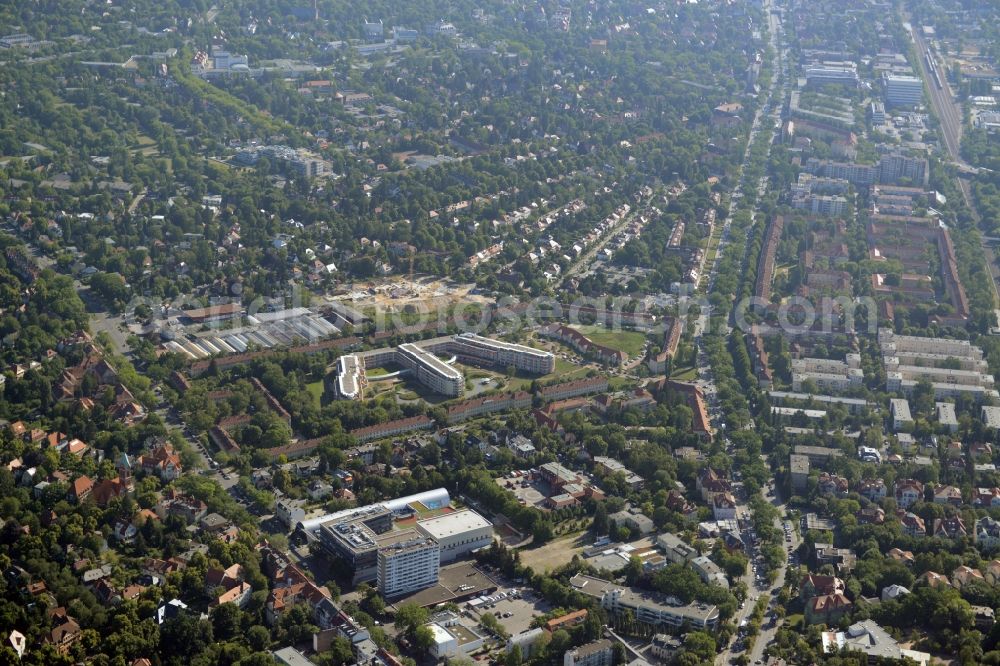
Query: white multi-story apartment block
828, 374
933, 375
899, 408
946, 415
909, 359
410, 564
831, 205
596, 653
900, 344
990, 417
648, 609
894, 167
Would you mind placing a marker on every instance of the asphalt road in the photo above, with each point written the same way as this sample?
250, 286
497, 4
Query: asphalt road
587, 258
706, 379
769, 630
100, 318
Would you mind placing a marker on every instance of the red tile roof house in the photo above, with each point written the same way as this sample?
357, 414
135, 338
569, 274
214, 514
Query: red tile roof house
827, 608
831, 484
904, 556
933, 579
65, 630
913, 525
106, 490
175, 503
583, 344
293, 587
873, 489
814, 585
81, 488
871, 515
239, 595
724, 506
162, 461
677, 502
964, 575
711, 482
224, 578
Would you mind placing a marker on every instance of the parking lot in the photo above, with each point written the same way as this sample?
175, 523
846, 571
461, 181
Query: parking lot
514, 612
528, 492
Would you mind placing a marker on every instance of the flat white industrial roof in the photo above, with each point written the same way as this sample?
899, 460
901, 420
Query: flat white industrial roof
450, 524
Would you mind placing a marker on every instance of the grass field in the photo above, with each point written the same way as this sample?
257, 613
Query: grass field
630, 342
146, 145
564, 371
555, 553
316, 391
618, 383
685, 374
378, 371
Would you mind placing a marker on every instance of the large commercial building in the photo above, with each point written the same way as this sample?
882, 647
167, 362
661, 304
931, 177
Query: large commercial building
431, 499
431, 371
877, 110
355, 540
420, 361
502, 354
832, 73
409, 563
903, 90
458, 533
401, 561
350, 378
